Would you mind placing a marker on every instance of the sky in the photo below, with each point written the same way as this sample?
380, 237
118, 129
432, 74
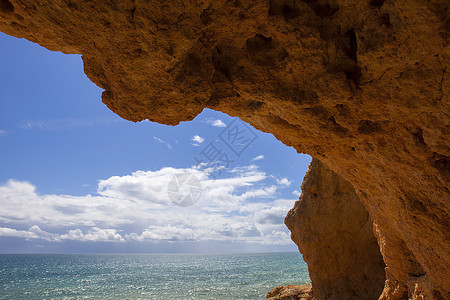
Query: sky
76, 178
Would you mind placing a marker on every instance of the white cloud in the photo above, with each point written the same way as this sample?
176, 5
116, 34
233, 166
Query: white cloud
215, 122
162, 142
284, 181
277, 238
259, 157
296, 193
148, 186
3, 132
4, 231
22, 205
273, 215
94, 235
218, 123
164, 232
240, 206
43, 234
197, 140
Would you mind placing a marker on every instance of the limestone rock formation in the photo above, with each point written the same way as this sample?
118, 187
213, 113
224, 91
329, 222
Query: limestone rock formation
291, 292
361, 85
334, 233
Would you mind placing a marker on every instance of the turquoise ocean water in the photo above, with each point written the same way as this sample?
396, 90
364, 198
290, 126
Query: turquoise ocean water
147, 276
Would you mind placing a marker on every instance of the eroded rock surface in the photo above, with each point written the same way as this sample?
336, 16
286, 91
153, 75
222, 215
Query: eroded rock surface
361, 85
291, 292
334, 232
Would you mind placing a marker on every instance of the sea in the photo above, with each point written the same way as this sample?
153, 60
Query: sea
148, 276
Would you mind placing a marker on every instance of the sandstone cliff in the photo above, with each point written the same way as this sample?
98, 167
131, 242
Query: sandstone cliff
361, 85
334, 233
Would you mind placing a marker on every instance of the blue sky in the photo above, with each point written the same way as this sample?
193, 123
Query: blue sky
75, 177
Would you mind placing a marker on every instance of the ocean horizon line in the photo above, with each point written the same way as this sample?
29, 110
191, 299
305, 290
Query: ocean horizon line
146, 253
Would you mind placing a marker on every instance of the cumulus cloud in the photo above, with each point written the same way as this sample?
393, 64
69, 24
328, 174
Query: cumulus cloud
93, 235
241, 206
284, 181
218, 123
197, 140
259, 157
215, 122
4, 231
164, 233
161, 141
296, 193
277, 238
273, 215
141, 185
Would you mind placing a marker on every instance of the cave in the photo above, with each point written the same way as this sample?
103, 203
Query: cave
361, 86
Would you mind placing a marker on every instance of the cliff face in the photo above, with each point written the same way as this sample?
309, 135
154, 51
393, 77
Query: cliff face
334, 233
361, 85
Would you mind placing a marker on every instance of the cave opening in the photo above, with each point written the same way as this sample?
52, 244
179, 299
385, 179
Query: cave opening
55, 117
92, 170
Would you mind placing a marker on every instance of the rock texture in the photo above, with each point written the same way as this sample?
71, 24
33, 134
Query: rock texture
291, 292
361, 85
334, 233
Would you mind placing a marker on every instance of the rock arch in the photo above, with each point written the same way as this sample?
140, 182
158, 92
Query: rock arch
361, 85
